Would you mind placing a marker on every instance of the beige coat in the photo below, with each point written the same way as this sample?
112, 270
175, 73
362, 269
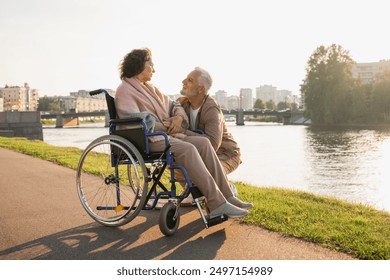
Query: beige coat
210, 119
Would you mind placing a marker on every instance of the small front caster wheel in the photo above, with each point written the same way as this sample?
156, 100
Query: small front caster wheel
168, 225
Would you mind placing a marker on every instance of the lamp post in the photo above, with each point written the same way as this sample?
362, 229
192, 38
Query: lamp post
240, 112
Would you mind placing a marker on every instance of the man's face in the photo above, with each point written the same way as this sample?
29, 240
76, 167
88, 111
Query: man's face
191, 85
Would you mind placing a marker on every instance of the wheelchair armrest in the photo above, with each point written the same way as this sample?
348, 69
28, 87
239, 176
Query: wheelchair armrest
159, 133
126, 121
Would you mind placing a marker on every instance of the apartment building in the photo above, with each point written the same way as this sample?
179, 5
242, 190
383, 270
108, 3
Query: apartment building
368, 71
81, 101
221, 98
233, 102
18, 98
246, 98
266, 93
269, 92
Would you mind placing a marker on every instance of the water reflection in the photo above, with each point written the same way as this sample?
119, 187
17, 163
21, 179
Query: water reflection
344, 162
347, 163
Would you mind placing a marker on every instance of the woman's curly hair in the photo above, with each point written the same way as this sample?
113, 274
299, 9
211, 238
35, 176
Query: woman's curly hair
134, 63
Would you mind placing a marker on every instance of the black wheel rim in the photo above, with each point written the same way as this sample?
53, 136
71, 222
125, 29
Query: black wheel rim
170, 221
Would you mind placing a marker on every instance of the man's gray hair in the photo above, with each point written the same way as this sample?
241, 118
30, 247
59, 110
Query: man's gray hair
204, 78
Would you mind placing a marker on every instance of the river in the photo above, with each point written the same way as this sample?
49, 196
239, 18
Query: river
348, 163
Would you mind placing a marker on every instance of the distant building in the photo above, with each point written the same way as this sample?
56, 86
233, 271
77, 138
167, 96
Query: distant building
233, 102
269, 92
90, 104
284, 95
266, 92
85, 93
16, 98
246, 97
221, 98
81, 101
367, 71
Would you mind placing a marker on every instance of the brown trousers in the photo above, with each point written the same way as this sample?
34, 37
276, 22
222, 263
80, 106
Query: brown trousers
230, 164
199, 159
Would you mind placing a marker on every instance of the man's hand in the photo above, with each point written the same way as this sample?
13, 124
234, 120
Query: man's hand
174, 125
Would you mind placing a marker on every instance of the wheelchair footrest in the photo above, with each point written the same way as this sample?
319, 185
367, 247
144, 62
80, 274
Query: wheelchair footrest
216, 220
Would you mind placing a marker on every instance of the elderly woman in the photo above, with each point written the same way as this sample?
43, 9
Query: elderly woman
135, 94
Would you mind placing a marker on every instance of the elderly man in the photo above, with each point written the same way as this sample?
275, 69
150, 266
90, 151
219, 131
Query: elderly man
204, 113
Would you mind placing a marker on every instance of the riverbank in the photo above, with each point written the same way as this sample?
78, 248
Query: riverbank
353, 125
358, 230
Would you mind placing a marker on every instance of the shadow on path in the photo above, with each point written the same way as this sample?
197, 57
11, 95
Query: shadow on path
96, 242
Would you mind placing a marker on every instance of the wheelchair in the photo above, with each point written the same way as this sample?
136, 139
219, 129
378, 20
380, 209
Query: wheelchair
118, 176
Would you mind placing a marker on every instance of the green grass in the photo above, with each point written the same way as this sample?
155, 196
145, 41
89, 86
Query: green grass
352, 228
358, 230
65, 156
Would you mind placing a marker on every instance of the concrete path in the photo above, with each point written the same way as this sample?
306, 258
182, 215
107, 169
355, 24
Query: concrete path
41, 218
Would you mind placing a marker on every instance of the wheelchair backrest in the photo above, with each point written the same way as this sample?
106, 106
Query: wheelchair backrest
135, 134
111, 106
132, 129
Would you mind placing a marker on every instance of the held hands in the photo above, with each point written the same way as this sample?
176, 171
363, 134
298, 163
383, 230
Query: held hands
173, 125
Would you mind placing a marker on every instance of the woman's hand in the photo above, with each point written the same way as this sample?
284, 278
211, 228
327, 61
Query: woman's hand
174, 124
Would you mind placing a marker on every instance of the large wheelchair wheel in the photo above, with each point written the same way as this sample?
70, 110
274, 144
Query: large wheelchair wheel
112, 181
167, 222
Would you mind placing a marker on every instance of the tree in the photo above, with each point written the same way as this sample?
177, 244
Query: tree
293, 106
328, 86
361, 104
270, 104
44, 103
49, 104
259, 104
381, 96
282, 105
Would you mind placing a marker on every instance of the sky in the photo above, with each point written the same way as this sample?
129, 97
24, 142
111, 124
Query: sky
62, 46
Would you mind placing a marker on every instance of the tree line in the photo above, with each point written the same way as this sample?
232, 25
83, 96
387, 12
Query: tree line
333, 96
50, 104
270, 104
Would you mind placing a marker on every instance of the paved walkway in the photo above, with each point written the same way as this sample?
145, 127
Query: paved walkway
42, 218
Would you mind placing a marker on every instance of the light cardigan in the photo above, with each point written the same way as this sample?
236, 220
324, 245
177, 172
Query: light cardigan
132, 96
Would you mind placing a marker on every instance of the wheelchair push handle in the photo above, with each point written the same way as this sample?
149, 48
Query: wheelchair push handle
97, 91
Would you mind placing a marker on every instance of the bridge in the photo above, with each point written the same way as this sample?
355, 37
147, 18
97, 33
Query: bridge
72, 119
286, 116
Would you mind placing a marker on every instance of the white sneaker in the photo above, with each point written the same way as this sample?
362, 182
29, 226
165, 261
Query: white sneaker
229, 210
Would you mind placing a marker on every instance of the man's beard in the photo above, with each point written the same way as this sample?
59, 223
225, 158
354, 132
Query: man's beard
188, 93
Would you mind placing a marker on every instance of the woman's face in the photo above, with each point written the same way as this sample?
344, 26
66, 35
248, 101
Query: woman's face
146, 75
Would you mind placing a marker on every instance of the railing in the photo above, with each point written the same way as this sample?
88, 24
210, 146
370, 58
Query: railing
74, 115
72, 119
